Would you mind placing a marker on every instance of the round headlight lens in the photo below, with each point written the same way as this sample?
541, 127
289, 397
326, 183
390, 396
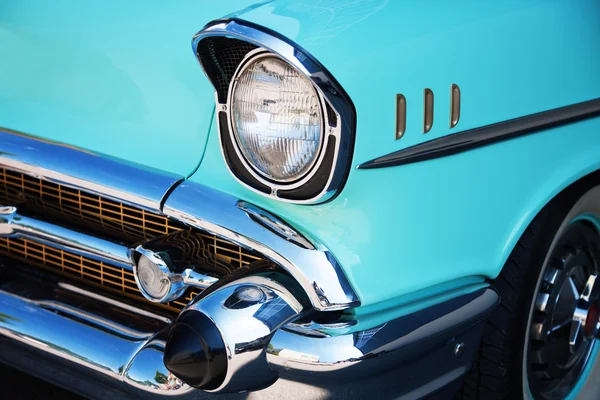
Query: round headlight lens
154, 281
277, 119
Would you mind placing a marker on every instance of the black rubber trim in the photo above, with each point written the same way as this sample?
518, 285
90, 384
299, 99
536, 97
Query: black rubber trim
485, 135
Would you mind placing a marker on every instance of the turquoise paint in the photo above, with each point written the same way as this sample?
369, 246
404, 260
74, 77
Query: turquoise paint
127, 84
408, 229
112, 77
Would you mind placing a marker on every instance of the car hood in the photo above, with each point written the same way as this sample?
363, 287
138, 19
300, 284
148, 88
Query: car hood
120, 80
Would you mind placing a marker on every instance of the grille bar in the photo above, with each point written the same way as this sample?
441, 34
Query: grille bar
107, 218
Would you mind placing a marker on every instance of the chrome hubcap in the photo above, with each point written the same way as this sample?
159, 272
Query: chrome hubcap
585, 322
565, 319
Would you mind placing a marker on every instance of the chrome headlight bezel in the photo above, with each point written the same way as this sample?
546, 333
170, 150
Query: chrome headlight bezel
223, 48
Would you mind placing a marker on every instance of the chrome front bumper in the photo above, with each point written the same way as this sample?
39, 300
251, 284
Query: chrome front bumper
91, 343
96, 345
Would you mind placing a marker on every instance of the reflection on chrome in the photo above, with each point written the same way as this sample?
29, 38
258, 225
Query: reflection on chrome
107, 340
81, 169
14, 225
147, 372
245, 313
60, 324
275, 224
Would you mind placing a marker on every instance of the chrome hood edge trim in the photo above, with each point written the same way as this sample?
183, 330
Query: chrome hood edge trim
80, 169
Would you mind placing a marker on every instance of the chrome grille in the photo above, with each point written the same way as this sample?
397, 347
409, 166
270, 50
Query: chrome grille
111, 219
76, 205
127, 223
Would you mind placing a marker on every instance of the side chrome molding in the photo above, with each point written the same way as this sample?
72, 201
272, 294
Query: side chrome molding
427, 110
400, 115
486, 135
454, 105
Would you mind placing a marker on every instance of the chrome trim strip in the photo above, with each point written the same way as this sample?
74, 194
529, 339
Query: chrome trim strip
327, 87
486, 135
223, 215
136, 310
96, 173
275, 224
327, 353
12, 224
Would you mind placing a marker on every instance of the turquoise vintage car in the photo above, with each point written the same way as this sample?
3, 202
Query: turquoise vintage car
348, 199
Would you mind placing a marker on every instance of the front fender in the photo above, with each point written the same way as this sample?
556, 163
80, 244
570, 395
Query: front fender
413, 228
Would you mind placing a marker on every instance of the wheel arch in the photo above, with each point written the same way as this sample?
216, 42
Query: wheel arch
567, 184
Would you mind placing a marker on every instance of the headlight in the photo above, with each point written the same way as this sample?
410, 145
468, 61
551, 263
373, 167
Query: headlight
286, 126
277, 119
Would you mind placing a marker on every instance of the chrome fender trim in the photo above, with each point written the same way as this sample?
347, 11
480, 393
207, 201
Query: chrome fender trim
223, 215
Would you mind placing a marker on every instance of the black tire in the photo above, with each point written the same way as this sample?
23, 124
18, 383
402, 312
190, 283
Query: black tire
498, 372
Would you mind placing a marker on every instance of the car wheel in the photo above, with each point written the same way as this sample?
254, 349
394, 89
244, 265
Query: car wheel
540, 343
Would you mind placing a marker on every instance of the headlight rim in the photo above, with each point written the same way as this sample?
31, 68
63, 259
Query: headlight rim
307, 175
220, 47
